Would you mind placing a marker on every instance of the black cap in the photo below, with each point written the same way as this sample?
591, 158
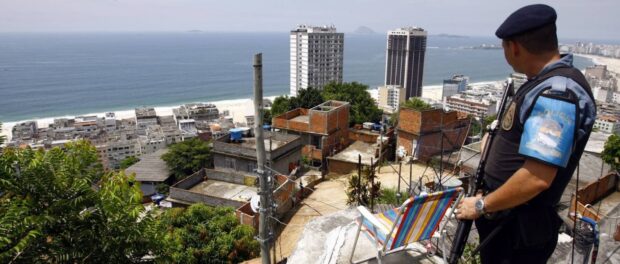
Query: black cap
525, 19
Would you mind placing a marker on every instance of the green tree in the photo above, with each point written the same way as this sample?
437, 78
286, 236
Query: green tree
611, 151
476, 124
267, 117
51, 212
306, 98
417, 104
186, 157
363, 107
388, 196
202, 234
127, 162
363, 191
280, 105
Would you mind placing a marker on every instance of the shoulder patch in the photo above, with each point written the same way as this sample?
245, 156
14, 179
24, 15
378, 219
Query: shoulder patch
548, 133
509, 116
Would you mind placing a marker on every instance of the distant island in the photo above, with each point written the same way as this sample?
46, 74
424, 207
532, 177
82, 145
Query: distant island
486, 47
364, 30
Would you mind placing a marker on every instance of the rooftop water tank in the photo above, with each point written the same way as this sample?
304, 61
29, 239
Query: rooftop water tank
236, 134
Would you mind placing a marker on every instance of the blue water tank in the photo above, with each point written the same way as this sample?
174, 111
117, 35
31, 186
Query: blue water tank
236, 134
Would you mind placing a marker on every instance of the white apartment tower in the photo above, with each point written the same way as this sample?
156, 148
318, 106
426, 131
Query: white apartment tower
316, 57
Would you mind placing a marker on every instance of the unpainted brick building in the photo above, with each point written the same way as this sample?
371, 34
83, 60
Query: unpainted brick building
324, 129
420, 132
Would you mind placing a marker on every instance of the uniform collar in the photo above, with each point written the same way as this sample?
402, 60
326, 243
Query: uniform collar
566, 60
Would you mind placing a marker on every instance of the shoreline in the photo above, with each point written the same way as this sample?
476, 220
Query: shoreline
238, 109
613, 64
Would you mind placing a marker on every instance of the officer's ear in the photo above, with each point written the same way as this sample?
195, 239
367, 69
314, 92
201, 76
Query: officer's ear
514, 48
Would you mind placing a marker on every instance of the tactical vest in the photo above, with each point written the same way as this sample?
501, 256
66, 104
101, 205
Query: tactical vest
504, 158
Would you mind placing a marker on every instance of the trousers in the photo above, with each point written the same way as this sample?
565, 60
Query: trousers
528, 237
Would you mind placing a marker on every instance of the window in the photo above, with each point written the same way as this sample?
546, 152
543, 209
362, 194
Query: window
315, 141
230, 163
251, 167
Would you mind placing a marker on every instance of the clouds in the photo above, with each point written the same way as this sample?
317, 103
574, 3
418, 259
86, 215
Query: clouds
591, 19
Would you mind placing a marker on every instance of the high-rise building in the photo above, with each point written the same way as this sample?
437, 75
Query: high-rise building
457, 84
404, 62
316, 57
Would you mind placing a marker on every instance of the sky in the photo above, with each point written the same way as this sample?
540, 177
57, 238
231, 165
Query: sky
579, 19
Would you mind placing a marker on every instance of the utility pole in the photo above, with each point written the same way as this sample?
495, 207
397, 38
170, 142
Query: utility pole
263, 178
380, 148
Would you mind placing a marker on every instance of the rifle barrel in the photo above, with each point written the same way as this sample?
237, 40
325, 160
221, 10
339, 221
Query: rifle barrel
464, 226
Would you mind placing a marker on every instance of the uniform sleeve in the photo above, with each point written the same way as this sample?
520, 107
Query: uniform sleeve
549, 131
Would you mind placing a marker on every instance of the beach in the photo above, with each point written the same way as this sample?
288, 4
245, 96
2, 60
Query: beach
613, 64
237, 108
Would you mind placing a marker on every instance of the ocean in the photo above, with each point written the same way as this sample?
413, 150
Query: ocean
57, 74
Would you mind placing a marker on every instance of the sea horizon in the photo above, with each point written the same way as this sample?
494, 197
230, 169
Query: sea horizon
50, 75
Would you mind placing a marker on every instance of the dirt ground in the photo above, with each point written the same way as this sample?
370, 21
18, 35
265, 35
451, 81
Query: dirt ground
329, 196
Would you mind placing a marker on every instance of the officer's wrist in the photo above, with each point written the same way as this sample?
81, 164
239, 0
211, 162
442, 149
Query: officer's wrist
480, 206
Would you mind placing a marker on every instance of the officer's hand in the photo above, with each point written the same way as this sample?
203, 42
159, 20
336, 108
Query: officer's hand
466, 209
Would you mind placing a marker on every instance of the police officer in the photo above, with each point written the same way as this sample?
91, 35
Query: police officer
538, 144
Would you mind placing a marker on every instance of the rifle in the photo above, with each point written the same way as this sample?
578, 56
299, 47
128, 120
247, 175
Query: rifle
464, 226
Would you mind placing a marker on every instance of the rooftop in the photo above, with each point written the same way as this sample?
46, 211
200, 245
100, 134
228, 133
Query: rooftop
596, 142
302, 119
145, 112
227, 190
272, 140
352, 152
150, 168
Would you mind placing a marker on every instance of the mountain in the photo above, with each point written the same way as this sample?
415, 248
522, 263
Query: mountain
364, 30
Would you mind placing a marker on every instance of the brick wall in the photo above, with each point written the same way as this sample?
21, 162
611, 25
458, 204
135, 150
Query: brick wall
341, 167
425, 128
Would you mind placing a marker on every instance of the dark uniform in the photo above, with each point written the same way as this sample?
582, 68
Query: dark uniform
549, 119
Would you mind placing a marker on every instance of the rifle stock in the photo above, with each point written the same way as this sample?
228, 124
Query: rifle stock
464, 226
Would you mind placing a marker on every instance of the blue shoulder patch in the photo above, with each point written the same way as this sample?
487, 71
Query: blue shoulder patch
549, 131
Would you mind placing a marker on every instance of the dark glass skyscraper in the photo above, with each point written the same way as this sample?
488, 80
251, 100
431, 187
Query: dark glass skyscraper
404, 60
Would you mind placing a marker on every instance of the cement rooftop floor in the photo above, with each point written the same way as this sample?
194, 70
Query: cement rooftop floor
225, 190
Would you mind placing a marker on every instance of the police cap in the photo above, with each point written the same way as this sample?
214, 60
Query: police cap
525, 19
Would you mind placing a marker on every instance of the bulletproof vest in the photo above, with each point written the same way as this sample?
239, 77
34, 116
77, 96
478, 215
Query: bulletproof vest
504, 158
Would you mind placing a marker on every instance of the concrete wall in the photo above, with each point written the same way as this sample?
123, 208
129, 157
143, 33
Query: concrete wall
282, 164
288, 143
192, 197
148, 188
225, 176
191, 180
180, 191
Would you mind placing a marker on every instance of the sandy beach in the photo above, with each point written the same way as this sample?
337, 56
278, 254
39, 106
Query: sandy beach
238, 108
613, 64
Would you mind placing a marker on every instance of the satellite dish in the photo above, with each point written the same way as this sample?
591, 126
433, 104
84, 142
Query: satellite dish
255, 203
